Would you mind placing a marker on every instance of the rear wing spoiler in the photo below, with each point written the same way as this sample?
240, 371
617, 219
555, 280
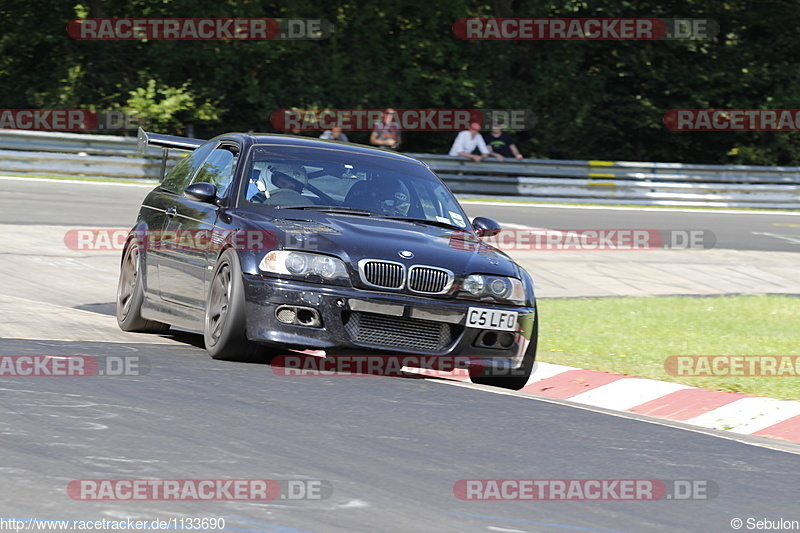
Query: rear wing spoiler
167, 143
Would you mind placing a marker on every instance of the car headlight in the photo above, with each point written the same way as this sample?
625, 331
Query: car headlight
303, 264
474, 284
497, 287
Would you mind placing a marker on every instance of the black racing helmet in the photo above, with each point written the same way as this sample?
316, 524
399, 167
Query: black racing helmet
393, 197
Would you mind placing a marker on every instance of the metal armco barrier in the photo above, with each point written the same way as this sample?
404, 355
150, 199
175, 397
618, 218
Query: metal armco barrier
621, 182
77, 154
602, 182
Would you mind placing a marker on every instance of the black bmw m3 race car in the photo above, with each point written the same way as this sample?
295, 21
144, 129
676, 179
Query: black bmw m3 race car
264, 242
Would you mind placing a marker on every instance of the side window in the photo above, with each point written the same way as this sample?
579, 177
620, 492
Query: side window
179, 177
218, 168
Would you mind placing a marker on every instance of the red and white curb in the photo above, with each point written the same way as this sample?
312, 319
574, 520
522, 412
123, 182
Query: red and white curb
739, 413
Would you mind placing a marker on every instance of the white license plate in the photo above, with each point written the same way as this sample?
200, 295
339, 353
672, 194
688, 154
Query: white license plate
477, 317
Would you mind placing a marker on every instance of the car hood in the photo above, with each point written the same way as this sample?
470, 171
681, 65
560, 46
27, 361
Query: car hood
353, 237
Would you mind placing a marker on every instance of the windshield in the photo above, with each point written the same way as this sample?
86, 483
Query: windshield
291, 177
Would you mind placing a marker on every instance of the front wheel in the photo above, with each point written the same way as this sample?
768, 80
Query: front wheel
224, 331
517, 378
130, 294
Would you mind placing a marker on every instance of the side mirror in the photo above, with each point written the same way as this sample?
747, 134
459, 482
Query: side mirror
485, 227
201, 192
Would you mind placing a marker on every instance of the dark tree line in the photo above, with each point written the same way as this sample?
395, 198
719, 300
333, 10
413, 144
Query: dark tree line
593, 99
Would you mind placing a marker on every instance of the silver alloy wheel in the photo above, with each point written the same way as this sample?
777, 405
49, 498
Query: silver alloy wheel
127, 280
219, 301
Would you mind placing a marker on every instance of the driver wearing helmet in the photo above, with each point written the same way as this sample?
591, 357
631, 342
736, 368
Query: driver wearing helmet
386, 195
393, 197
288, 177
289, 180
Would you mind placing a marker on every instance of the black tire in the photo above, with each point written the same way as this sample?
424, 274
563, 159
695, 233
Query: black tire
521, 375
225, 325
130, 294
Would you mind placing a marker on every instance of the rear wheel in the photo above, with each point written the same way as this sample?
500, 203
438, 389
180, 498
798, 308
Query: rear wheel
517, 378
130, 294
224, 331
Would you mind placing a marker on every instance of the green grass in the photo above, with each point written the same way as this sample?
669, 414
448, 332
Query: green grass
634, 336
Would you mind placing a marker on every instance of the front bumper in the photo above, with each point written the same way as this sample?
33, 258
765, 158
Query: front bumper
354, 321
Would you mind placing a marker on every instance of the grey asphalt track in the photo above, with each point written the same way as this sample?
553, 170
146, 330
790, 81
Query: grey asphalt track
392, 448
37, 202
734, 230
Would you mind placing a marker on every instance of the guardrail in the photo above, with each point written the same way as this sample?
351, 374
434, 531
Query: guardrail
77, 154
609, 182
622, 182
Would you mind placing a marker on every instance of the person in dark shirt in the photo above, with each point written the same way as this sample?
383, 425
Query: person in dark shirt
500, 143
385, 134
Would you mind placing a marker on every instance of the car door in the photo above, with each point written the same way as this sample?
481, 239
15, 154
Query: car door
184, 266
160, 205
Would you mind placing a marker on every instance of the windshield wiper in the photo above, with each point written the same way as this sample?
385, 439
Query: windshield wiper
354, 211
334, 209
438, 223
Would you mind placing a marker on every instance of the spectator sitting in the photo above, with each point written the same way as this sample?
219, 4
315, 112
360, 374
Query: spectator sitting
466, 142
334, 134
500, 143
385, 134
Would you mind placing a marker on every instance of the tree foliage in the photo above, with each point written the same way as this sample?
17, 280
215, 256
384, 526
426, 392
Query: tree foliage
593, 99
